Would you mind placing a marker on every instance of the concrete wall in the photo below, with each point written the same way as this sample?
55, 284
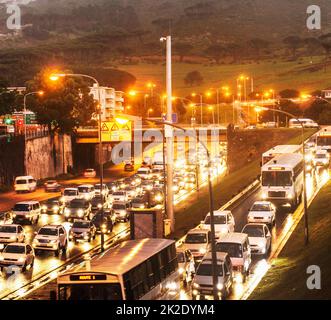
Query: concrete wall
44, 156
249, 145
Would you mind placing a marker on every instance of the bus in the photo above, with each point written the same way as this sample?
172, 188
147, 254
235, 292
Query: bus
280, 150
144, 269
307, 123
323, 139
282, 180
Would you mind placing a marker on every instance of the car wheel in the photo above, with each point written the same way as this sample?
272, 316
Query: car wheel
64, 249
57, 252
32, 263
24, 267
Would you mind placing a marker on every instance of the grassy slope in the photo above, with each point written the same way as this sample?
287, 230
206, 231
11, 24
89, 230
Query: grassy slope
287, 279
281, 75
189, 216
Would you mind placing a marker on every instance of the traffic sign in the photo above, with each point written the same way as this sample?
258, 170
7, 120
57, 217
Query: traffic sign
113, 131
174, 118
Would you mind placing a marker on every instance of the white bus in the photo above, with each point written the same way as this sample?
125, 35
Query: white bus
280, 150
134, 270
307, 123
282, 180
323, 139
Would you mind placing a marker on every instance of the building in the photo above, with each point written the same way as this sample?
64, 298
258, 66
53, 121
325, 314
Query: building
327, 93
111, 101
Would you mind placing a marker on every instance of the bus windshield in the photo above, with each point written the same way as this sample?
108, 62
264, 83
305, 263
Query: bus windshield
276, 178
109, 291
324, 141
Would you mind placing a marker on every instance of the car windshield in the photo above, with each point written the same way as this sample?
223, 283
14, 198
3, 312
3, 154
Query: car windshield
21, 181
89, 170
180, 257
83, 189
21, 207
217, 220
15, 249
117, 206
205, 269
81, 224
277, 178
7, 229
48, 232
233, 249
52, 202
70, 192
260, 207
321, 156
196, 238
254, 231
119, 193
142, 171
97, 186
96, 200
78, 204
51, 182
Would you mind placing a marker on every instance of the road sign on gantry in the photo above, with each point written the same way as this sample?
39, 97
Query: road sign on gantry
113, 131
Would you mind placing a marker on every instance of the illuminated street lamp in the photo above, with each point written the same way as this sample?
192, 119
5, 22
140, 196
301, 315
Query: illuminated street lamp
149, 111
56, 77
201, 111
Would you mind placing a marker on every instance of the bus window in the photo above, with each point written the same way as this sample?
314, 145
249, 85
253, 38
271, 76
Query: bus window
276, 178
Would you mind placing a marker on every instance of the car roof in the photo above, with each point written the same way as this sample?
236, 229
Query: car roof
197, 230
220, 256
220, 213
10, 225
70, 189
262, 202
28, 202
234, 237
20, 244
24, 177
52, 226
86, 185
255, 225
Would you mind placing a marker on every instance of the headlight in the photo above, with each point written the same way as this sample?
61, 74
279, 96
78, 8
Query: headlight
53, 241
2, 258
67, 211
220, 286
181, 270
86, 197
159, 198
264, 195
62, 199
289, 196
196, 285
202, 250
261, 245
80, 212
56, 208
308, 167
35, 241
44, 208
99, 205
21, 260
13, 238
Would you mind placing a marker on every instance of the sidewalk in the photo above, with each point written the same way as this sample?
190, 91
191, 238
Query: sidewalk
287, 279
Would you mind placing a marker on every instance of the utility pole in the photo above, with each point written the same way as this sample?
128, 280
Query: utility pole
169, 136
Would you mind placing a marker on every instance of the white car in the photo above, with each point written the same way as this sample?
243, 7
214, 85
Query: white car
90, 173
262, 212
321, 158
25, 184
17, 254
51, 238
198, 242
69, 194
223, 221
259, 238
86, 191
119, 196
121, 210
144, 173
10, 233
105, 190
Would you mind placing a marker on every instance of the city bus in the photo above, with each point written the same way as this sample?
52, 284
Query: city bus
323, 139
280, 150
282, 180
144, 269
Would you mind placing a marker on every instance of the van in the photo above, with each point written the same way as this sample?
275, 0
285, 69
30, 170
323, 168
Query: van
28, 211
25, 184
86, 191
203, 280
69, 194
237, 246
144, 173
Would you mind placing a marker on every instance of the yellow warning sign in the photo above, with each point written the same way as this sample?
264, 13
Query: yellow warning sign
113, 131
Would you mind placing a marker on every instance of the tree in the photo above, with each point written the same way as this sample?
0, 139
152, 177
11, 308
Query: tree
326, 44
182, 49
289, 94
313, 46
66, 104
193, 78
216, 52
257, 45
9, 101
294, 43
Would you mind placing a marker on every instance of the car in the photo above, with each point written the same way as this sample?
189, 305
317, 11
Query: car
17, 254
156, 197
97, 203
78, 209
259, 238
186, 265
262, 212
52, 206
86, 191
223, 222
82, 230
52, 186
25, 184
144, 173
203, 281
10, 233
6, 218
104, 222
147, 185
105, 190
89, 173
129, 167
131, 192
69, 194
198, 242
119, 196
157, 173
51, 238
113, 187
121, 209
237, 246
27, 211
321, 158
140, 202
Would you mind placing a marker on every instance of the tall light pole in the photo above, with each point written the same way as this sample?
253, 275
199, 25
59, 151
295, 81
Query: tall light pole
55, 77
305, 201
201, 110
169, 134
